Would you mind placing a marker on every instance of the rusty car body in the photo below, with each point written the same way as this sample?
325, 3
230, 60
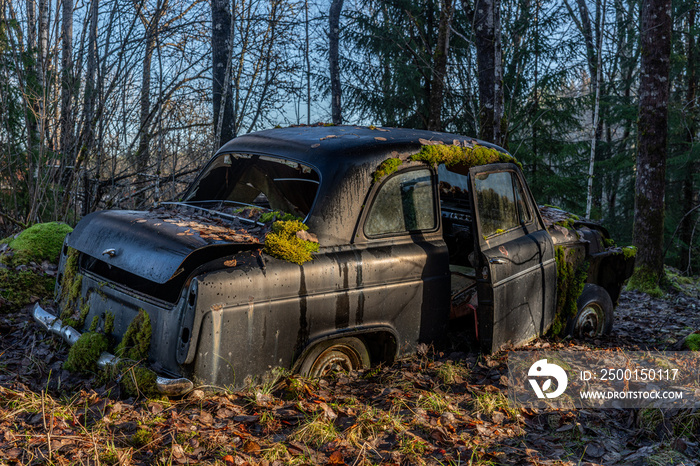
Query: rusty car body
399, 253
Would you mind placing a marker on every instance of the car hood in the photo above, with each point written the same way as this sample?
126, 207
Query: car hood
154, 244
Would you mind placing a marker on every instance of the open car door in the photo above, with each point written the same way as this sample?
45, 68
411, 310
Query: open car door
516, 269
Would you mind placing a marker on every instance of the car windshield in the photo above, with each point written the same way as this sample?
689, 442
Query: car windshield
257, 181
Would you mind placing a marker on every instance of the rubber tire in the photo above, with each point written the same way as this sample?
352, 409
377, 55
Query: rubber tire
595, 308
329, 356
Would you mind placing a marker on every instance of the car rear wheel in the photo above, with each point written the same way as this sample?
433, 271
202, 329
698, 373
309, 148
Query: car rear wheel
341, 355
595, 313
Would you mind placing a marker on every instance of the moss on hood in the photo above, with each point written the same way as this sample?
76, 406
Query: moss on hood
289, 241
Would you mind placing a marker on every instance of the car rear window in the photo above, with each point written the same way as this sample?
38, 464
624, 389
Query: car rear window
257, 181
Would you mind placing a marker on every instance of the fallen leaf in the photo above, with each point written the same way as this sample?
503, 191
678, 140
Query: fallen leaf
336, 458
250, 446
378, 138
306, 236
230, 263
427, 142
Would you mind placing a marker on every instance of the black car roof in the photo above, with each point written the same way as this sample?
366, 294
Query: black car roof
345, 143
346, 157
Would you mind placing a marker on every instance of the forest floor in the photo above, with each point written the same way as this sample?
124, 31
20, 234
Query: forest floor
437, 407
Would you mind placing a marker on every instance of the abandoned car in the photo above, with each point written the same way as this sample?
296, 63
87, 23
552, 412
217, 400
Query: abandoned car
324, 248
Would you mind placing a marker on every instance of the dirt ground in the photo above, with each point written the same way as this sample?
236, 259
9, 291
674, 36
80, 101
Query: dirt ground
444, 407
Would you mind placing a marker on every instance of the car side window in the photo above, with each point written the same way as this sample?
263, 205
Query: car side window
405, 202
501, 204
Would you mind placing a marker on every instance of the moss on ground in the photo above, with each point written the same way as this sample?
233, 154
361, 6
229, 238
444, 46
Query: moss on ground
570, 283
458, 155
36, 244
83, 355
645, 280
39, 242
18, 288
386, 168
137, 338
283, 243
138, 380
692, 342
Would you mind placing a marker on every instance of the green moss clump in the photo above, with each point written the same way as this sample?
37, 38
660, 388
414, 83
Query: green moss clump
570, 283
94, 324
83, 355
629, 251
645, 280
141, 438
109, 323
40, 242
386, 168
609, 242
568, 223
137, 338
71, 286
138, 380
458, 155
692, 342
283, 243
277, 215
18, 288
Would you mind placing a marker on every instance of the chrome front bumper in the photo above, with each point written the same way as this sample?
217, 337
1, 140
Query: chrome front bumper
166, 386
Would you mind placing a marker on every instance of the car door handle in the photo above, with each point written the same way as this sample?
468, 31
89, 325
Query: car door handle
497, 260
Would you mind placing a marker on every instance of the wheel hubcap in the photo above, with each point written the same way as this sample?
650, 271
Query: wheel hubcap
589, 322
336, 359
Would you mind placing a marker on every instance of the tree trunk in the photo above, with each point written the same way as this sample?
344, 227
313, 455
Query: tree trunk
688, 188
87, 131
32, 73
440, 53
66, 89
333, 39
652, 143
221, 54
143, 154
596, 112
487, 32
587, 32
